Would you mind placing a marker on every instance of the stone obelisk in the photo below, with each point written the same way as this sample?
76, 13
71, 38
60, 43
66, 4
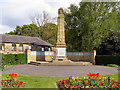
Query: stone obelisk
61, 45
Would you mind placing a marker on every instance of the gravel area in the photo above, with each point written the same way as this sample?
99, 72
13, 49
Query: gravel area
59, 71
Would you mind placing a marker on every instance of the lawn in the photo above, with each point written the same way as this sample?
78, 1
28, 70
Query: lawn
46, 82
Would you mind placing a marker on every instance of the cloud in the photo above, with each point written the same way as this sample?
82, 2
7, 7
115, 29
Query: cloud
5, 29
18, 12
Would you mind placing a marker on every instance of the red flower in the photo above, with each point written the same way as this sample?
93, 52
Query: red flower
60, 84
75, 86
12, 75
63, 87
7, 77
71, 86
16, 75
21, 82
93, 75
59, 81
67, 85
89, 74
100, 84
94, 78
114, 86
113, 83
63, 81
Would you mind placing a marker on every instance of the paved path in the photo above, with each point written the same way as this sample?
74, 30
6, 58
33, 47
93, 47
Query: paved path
59, 71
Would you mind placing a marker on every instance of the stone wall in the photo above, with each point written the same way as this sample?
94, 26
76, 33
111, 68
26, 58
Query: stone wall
39, 55
49, 55
82, 56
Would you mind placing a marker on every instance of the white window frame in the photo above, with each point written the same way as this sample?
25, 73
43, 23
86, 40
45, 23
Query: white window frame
30, 47
43, 49
20, 47
49, 49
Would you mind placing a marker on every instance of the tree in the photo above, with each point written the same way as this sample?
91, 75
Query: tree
111, 46
90, 23
41, 20
49, 33
26, 30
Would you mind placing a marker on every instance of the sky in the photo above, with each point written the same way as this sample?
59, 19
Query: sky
18, 12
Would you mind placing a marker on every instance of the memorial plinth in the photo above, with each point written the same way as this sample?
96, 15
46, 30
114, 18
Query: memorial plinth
61, 45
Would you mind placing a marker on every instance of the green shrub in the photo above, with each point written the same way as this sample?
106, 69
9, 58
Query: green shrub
1, 62
14, 59
9, 59
21, 58
107, 59
112, 65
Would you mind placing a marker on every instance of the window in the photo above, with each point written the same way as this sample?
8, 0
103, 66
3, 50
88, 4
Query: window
13, 47
42, 49
21, 47
30, 47
49, 49
1, 46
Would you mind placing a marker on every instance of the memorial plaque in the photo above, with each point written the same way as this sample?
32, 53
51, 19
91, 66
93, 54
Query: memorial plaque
60, 52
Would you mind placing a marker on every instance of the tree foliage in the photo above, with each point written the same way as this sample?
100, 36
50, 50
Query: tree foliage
26, 30
111, 45
48, 33
90, 23
41, 21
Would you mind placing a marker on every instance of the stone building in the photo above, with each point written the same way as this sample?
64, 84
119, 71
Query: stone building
20, 44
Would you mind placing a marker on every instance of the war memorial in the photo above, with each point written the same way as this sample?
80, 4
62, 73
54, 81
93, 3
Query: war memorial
60, 56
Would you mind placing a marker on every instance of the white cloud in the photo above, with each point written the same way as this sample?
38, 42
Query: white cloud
5, 29
18, 12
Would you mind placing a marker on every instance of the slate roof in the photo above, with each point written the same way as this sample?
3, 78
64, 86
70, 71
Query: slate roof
22, 40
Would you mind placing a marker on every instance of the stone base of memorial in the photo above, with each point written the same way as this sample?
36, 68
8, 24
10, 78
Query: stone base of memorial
61, 56
62, 61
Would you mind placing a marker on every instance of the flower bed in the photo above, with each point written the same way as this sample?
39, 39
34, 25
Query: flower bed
94, 80
11, 82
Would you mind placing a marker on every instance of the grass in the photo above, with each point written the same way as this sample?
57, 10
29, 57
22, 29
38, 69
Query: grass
46, 82
38, 82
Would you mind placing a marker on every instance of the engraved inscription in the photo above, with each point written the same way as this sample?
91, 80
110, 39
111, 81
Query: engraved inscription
60, 52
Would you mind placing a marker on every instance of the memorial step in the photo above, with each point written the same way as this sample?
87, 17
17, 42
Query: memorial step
43, 63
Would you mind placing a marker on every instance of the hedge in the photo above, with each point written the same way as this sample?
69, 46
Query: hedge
14, 59
107, 59
22, 58
1, 62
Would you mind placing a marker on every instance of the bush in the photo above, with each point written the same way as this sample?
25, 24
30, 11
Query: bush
1, 62
112, 65
107, 59
14, 59
9, 59
21, 58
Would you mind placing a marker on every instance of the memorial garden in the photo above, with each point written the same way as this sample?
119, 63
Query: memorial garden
86, 52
